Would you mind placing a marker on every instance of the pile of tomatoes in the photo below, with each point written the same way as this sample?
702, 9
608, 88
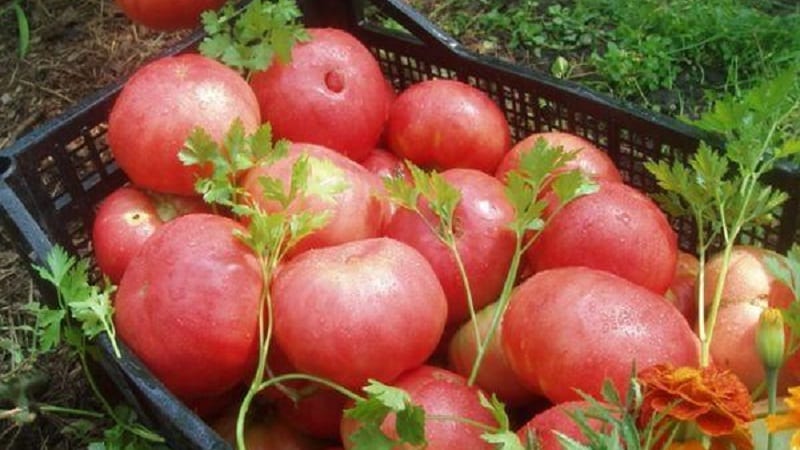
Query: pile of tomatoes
374, 293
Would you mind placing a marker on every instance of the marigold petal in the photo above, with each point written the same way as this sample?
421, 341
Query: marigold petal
780, 422
688, 445
794, 391
796, 441
715, 423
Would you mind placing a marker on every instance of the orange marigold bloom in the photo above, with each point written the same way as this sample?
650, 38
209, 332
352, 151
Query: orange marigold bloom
789, 420
716, 400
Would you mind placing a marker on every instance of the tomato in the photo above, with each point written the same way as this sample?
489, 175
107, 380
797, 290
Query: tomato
355, 212
188, 306
386, 165
264, 433
557, 419
445, 124
159, 107
167, 16
495, 376
440, 393
125, 220
748, 278
318, 413
682, 289
589, 325
617, 229
332, 93
589, 159
749, 288
365, 309
484, 240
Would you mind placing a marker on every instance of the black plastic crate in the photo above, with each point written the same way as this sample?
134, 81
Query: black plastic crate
52, 179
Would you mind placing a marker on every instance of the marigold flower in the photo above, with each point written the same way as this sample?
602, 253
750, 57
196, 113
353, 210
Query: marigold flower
715, 400
790, 420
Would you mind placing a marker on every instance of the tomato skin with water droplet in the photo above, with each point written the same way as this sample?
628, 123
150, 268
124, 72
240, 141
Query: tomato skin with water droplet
365, 309
616, 229
188, 306
590, 325
332, 93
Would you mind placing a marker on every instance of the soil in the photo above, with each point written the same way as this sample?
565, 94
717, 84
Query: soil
76, 47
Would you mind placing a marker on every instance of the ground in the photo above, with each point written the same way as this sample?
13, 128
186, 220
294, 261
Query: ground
77, 47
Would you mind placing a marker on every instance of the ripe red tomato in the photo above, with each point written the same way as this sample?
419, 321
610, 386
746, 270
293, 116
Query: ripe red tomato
188, 306
440, 393
557, 419
483, 238
748, 278
365, 309
167, 16
444, 124
589, 159
264, 432
617, 229
749, 289
589, 325
333, 93
495, 376
125, 220
386, 165
317, 413
682, 289
159, 107
356, 212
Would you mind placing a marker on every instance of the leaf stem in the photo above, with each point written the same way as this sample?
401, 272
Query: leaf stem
264, 302
142, 433
505, 298
772, 402
306, 377
71, 411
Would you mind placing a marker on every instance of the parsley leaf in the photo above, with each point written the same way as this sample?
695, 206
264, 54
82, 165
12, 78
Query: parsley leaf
723, 191
371, 411
89, 305
503, 437
250, 39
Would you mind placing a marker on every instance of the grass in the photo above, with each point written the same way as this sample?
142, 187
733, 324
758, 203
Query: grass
673, 56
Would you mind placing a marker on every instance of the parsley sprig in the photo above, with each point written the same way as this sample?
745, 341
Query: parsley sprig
82, 312
250, 39
435, 201
723, 191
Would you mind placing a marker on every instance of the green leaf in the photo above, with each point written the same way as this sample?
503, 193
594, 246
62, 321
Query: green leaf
370, 437
49, 323
391, 397
410, 425
57, 264
370, 412
571, 185
249, 39
503, 440
401, 192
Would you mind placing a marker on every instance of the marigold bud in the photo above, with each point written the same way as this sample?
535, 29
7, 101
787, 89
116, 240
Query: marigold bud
770, 338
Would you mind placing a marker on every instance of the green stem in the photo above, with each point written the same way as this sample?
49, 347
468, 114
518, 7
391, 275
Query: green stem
467, 289
306, 377
142, 433
70, 411
705, 354
772, 395
505, 298
264, 301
